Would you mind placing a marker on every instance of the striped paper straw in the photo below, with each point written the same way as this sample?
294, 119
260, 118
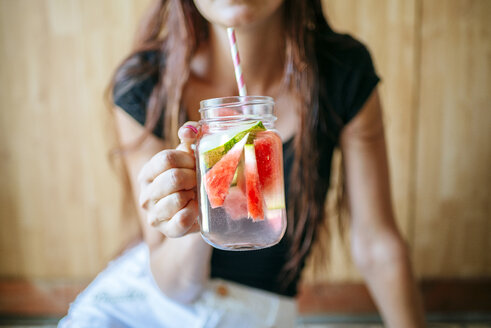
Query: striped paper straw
236, 59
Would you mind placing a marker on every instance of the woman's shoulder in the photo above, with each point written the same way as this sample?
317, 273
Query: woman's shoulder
137, 68
134, 82
342, 51
346, 72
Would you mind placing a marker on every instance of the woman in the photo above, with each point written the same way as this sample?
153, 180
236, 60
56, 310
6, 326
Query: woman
324, 85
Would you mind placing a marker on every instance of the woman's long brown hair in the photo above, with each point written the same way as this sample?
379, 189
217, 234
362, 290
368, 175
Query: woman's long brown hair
175, 29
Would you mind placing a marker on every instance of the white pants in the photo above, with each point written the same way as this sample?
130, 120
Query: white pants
125, 295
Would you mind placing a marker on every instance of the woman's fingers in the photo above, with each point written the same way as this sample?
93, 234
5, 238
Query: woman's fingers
172, 158
169, 182
163, 161
183, 222
168, 206
195, 227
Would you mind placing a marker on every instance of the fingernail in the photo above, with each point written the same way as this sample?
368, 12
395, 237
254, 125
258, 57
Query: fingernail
192, 128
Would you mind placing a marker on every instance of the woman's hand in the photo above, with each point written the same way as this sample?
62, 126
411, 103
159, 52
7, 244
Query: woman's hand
168, 187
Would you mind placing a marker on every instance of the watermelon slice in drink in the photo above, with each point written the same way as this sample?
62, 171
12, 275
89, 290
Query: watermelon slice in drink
268, 148
253, 186
212, 156
219, 178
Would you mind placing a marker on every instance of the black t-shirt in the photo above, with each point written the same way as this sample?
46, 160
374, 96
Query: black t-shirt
347, 77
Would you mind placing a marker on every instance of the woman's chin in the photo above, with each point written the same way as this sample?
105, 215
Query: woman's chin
238, 16
237, 13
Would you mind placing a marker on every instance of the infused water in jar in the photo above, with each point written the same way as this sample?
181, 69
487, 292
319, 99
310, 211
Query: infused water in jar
240, 174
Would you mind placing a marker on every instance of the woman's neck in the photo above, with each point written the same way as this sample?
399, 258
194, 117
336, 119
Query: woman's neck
261, 47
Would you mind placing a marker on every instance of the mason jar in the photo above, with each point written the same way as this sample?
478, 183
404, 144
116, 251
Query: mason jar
239, 158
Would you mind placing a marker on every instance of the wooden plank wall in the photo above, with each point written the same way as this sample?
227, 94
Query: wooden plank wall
62, 206
63, 211
452, 217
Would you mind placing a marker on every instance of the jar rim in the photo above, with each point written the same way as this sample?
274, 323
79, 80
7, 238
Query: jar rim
234, 101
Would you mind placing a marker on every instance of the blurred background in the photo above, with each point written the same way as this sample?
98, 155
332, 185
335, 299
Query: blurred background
64, 211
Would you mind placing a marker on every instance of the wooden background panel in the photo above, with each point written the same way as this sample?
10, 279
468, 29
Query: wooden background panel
388, 29
61, 202
453, 191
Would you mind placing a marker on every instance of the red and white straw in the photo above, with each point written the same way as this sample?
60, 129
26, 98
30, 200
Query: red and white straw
236, 59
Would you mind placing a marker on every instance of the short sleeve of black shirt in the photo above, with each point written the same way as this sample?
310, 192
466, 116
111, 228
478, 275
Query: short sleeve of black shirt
347, 72
132, 94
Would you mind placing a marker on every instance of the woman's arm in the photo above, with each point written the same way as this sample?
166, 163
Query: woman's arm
180, 266
377, 247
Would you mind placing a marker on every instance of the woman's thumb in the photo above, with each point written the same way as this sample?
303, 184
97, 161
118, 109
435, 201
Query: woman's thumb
188, 134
